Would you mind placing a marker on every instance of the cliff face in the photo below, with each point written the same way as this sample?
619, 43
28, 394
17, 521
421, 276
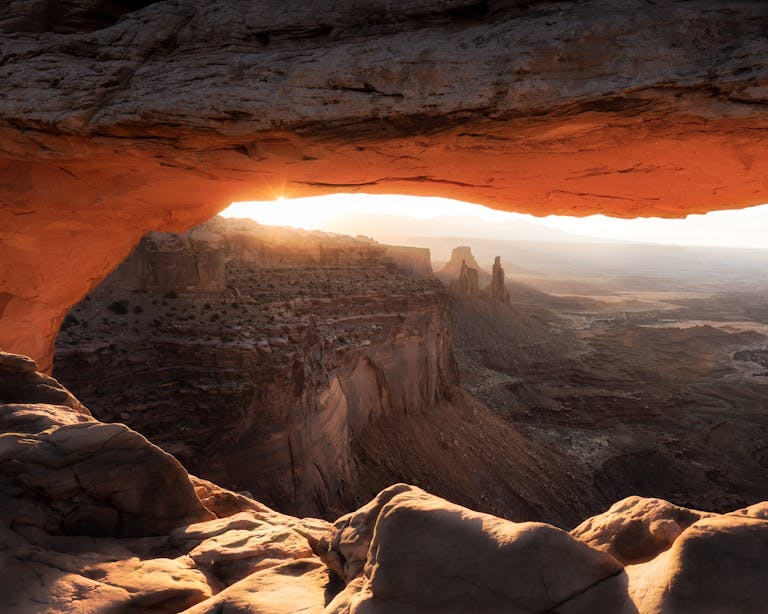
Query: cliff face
190, 262
414, 260
262, 356
118, 118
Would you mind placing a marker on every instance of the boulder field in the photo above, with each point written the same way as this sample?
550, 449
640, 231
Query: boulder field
95, 518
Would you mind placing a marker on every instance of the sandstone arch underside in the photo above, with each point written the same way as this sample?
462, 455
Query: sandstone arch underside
157, 115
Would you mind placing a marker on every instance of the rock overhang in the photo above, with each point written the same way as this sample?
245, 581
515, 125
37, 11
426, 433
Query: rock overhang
162, 118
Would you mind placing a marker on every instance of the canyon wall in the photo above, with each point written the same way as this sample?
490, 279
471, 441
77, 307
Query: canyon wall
319, 375
155, 115
414, 260
190, 262
257, 355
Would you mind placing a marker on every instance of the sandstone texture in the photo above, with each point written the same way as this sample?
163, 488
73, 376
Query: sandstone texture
494, 565
391, 554
213, 550
636, 530
155, 115
714, 566
94, 518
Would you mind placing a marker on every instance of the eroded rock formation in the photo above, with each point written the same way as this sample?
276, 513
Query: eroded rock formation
202, 549
305, 368
138, 116
461, 256
257, 354
462, 274
466, 282
497, 290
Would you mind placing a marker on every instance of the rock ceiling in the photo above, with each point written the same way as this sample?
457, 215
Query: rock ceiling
120, 116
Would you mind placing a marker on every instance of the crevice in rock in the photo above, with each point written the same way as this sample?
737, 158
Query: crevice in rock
553, 609
418, 179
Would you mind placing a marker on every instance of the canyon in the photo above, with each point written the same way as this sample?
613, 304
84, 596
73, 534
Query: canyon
120, 117
311, 370
653, 386
308, 369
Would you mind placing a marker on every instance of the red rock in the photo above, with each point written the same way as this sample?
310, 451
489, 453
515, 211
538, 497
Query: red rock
156, 120
428, 555
636, 530
716, 565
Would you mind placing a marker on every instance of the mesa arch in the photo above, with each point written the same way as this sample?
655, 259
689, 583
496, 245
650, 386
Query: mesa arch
156, 115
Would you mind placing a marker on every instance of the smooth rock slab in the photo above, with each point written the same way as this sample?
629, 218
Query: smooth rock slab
298, 586
429, 555
36, 580
717, 566
237, 553
94, 479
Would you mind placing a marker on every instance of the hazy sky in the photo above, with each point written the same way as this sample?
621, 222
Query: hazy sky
737, 228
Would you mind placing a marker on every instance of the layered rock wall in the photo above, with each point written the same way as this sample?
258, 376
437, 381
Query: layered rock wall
263, 384
173, 262
413, 260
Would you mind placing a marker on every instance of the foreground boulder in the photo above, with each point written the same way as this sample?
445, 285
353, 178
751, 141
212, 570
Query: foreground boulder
718, 565
63, 472
20, 382
636, 529
95, 479
94, 518
428, 555
408, 551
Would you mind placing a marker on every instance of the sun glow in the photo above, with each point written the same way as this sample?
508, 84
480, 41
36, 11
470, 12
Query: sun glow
362, 214
318, 212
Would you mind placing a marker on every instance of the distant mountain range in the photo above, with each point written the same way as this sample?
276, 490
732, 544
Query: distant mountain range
398, 228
